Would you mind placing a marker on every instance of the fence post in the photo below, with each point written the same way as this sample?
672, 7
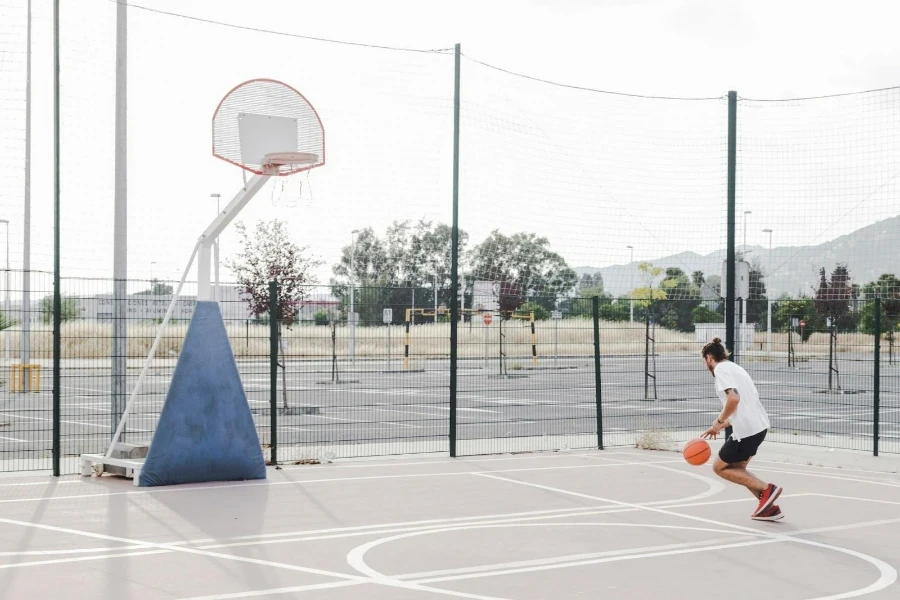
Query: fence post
876, 384
730, 274
57, 300
273, 372
454, 252
595, 313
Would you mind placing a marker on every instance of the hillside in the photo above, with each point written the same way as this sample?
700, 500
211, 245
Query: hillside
868, 252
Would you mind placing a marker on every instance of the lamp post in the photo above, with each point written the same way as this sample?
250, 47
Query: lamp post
6, 292
746, 212
631, 293
352, 286
769, 231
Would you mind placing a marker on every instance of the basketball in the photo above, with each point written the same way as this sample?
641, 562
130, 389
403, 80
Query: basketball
696, 452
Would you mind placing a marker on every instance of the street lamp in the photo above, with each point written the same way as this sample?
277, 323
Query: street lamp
631, 293
769, 231
6, 293
352, 286
216, 247
746, 212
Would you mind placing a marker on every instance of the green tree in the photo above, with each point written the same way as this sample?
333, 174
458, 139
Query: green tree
802, 309
157, 288
69, 310
525, 263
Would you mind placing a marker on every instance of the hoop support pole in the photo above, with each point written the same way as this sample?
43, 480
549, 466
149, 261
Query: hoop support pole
222, 220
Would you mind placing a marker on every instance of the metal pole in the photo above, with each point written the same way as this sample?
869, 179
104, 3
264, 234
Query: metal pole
216, 295
120, 227
389, 347
730, 256
631, 285
556, 342
273, 372
352, 287
6, 294
26, 250
598, 388
771, 304
454, 251
57, 342
730, 253
876, 383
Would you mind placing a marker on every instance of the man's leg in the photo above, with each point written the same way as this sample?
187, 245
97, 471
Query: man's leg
737, 473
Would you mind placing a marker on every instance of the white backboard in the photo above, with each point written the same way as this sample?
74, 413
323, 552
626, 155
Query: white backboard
262, 134
741, 279
486, 295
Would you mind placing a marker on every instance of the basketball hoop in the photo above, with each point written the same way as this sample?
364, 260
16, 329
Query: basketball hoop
268, 128
286, 163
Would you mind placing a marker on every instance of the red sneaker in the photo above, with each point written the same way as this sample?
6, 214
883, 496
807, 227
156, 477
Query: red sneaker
773, 513
767, 498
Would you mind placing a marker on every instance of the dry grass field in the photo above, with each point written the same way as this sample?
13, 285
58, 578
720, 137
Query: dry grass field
566, 338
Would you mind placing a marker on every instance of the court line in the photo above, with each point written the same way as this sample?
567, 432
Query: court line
69, 422
275, 591
887, 573
356, 557
237, 558
265, 482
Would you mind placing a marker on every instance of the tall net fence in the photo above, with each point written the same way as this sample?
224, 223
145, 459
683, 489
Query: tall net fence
570, 193
568, 198
818, 182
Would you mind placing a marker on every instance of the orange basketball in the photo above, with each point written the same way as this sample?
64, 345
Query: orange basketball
696, 451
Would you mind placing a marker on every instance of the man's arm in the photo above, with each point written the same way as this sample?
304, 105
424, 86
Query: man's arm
732, 399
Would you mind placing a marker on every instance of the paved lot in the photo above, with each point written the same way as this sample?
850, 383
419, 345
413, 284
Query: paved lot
367, 406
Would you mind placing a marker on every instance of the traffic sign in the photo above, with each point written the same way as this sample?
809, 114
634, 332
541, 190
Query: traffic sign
387, 316
802, 324
556, 314
487, 318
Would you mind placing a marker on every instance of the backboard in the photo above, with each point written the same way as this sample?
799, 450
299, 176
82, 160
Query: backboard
262, 117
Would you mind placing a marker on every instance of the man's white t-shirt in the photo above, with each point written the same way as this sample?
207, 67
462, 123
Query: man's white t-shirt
750, 417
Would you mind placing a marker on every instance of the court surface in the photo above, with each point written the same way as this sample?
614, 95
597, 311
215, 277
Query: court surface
601, 524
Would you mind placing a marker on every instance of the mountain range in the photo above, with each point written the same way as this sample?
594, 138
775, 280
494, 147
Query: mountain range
794, 270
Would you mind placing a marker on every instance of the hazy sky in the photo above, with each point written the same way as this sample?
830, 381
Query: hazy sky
593, 172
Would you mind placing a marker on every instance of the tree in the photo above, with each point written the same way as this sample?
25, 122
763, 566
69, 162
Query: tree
267, 255
157, 288
590, 285
833, 298
409, 266
887, 289
526, 263
68, 309
833, 302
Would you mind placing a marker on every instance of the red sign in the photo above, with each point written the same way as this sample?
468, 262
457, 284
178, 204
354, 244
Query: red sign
487, 318
802, 323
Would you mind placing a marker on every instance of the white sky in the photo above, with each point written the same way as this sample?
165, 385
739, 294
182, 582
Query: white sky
592, 172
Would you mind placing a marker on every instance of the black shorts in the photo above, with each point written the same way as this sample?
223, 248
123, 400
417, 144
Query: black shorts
734, 452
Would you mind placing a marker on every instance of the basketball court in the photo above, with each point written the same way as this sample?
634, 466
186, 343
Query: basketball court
609, 524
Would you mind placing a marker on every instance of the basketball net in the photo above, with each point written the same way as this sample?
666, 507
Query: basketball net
292, 191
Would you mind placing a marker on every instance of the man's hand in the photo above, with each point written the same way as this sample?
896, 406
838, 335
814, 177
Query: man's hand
713, 432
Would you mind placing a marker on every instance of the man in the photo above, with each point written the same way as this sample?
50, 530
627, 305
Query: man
744, 413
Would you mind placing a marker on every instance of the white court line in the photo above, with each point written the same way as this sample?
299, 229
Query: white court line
41, 563
344, 578
12, 439
887, 573
69, 422
304, 481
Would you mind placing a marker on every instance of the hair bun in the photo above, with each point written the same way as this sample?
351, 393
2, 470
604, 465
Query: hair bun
717, 340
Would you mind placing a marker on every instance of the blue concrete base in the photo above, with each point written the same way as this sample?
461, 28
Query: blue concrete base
206, 431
